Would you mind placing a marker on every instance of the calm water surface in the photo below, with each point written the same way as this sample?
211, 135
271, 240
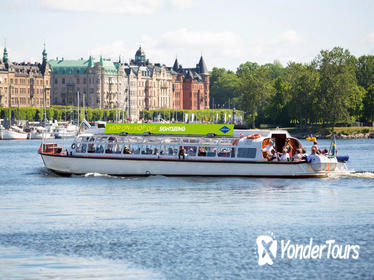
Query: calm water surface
102, 227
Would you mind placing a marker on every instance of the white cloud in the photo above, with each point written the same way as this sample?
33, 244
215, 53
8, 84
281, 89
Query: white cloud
129, 7
289, 37
222, 49
369, 39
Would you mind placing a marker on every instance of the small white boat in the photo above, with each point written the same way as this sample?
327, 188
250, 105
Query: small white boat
237, 154
40, 132
12, 133
65, 130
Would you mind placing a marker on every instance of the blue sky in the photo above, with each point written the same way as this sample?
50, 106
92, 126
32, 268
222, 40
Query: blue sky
227, 33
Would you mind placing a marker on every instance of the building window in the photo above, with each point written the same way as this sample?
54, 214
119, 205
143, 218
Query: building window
63, 80
56, 81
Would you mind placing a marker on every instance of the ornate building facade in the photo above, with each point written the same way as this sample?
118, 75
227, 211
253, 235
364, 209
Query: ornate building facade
190, 86
100, 83
24, 84
149, 85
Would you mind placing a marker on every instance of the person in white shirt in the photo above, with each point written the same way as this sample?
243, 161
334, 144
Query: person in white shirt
269, 149
298, 155
285, 156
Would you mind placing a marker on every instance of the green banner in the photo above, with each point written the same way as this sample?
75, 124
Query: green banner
169, 128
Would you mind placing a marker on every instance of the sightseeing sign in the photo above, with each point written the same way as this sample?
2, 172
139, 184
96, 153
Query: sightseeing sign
169, 128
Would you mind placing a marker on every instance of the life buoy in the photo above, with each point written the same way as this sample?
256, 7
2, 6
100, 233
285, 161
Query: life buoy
254, 136
235, 142
73, 146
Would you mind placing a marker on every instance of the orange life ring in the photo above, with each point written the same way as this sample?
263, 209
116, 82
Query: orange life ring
254, 136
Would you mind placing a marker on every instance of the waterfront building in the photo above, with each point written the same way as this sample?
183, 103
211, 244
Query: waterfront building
190, 86
150, 85
99, 82
24, 84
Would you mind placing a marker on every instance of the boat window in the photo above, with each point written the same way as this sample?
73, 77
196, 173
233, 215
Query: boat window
79, 147
135, 149
190, 140
190, 150
169, 150
91, 148
207, 151
117, 148
150, 150
99, 148
227, 141
208, 141
173, 140
84, 148
246, 152
226, 152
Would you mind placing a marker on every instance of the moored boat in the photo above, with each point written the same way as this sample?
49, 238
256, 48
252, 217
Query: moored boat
12, 133
182, 150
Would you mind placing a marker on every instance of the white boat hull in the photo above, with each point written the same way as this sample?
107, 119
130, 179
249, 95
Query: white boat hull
6, 134
171, 167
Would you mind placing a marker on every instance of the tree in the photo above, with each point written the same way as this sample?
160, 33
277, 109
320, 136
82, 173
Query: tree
255, 89
223, 85
368, 102
337, 84
365, 71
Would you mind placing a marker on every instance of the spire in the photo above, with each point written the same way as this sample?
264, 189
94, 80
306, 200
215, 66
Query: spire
176, 65
5, 55
44, 53
202, 66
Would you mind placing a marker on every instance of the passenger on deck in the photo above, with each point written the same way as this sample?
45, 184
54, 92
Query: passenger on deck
181, 153
155, 152
287, 146
268, 149
126, 150
298, 155
315, 145
273, 157
285, 155
325, 152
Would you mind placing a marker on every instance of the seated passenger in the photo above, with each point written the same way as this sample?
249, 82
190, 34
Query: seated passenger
285, 156
181, 152
298, 155
268, 149
126, 150
325, 152
155, 152
273, 157
202, 152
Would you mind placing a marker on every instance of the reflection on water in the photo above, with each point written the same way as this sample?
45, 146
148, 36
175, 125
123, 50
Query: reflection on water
174, 227
23, 264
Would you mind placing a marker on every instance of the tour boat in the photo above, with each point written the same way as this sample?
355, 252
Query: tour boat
182, 150
12, 133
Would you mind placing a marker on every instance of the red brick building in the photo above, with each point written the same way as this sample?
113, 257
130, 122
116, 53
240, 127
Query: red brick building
190, 86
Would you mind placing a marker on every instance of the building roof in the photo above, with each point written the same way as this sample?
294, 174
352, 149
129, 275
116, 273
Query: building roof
79, 66
202, 67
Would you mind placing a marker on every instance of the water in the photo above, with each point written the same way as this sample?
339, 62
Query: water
102, 227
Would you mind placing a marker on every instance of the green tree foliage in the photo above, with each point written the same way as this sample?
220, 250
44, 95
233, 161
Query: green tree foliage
339, 92
365, 71
369, 104
223, 87
255, 87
